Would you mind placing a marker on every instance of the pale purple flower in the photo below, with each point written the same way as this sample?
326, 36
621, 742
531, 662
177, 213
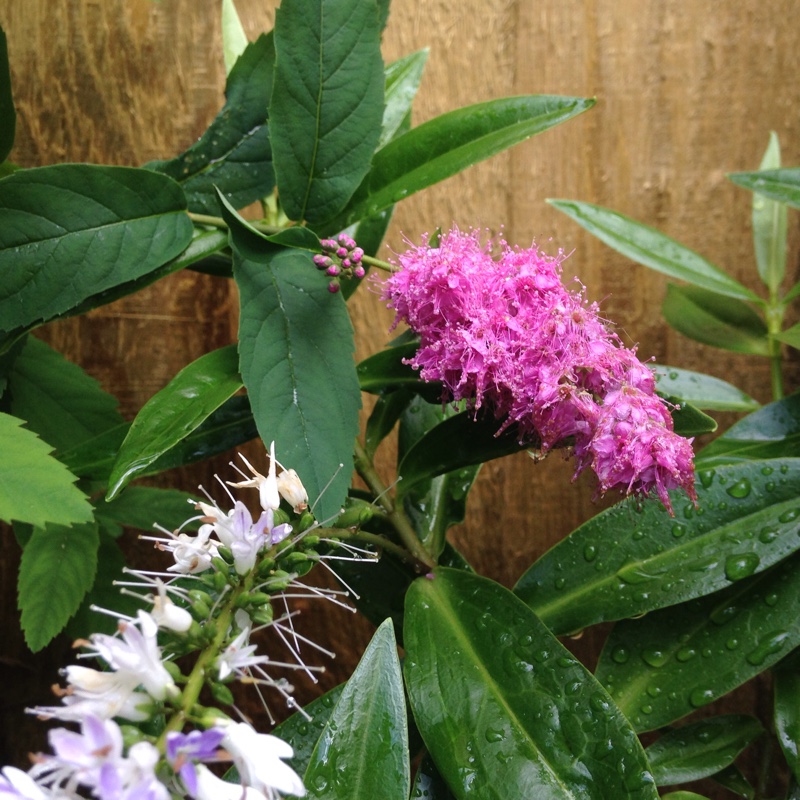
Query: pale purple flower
238, 656
192, 554
506, 336
14, 783
184, 749
210, 787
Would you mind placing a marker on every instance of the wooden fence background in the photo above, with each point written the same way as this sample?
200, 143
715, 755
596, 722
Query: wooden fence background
686, 90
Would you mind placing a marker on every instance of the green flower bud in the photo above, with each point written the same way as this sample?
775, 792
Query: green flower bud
222, 694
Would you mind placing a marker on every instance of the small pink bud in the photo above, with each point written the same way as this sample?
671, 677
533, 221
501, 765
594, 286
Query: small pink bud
333, 287
359, 271
333, 271
357, 255
342, 252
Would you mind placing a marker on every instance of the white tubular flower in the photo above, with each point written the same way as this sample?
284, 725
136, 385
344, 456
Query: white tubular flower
267, 487
167, 615
137, 654
291, 489
14, 783
257, 757
210, 787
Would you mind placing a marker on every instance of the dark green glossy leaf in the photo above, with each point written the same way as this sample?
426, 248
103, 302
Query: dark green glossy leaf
450, 143
782, 185
142, 507
732, 779
701, 748
34, 487
771, 432
504, 709
714, 319
653, 249
429, 784
296, 358
64, 560
362, 753
627, 561
458, 442
234, 154
402, 82
72, 230
383, 418
787, 709
687, 420
327, 104
8, 116
386, 370
769, 225
171, 414
702, 391
58, 400
664, 666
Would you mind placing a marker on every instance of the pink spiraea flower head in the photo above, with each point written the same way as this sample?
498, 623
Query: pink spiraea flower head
507, 336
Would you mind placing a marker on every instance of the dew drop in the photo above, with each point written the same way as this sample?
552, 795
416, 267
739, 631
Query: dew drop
647, 709
767, 470
494, 735
701, 697
741, 566
771, 644
740, 489
784, 468
789, 516
655, 658
719, 616
770, 486
560, 583
637, 535
767, 535
685, 654
706, 477
590, 552
620, 655
771, 599
732, 644
599, 703
320, 783
653, 690
678, 530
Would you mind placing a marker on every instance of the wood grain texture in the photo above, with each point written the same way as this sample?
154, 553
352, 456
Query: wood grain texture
686, 92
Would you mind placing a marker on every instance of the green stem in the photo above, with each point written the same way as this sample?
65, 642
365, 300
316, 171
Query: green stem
395, 514
774, 317
376, 539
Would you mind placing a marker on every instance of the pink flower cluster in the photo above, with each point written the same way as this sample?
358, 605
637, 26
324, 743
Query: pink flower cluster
506, 335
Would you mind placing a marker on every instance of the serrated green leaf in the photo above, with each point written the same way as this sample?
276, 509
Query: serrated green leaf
771, 432
402, 82
664, 666
782, 185
713, 319
72, 230
65, 561
769, 225
296, 358
234, 39
234, 154
450, 143
142, 507
34, 487
302, 733
173, 413
702, 391
58, 400
627, 561
504, 709
701, 748
8, 116
327, 104
787, 710
651, 248
363, 750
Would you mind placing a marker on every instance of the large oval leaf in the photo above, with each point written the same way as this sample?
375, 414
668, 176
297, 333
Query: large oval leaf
327, 104
234, 154
72, 230
713, 319
504, 709
362, 753
653, 249
449, 144
625, 561
296, 358
665, 665
177, 410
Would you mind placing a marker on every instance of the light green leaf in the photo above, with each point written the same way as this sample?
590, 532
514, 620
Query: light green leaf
8, 116
781, 185
771, 432
402, 82
296, 359
327, 104
72, 230
503, 707
177, 410
653, 249
702, 391
701, 748
450, 143
234, 39
664, 666
625, 562
234, 154
58, 400
712, 319
790, 336
362, 753
34, 487
769, 225
787, 710
64, 560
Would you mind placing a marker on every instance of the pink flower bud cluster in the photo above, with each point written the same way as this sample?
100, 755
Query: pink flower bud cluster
340, 258
507, 336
